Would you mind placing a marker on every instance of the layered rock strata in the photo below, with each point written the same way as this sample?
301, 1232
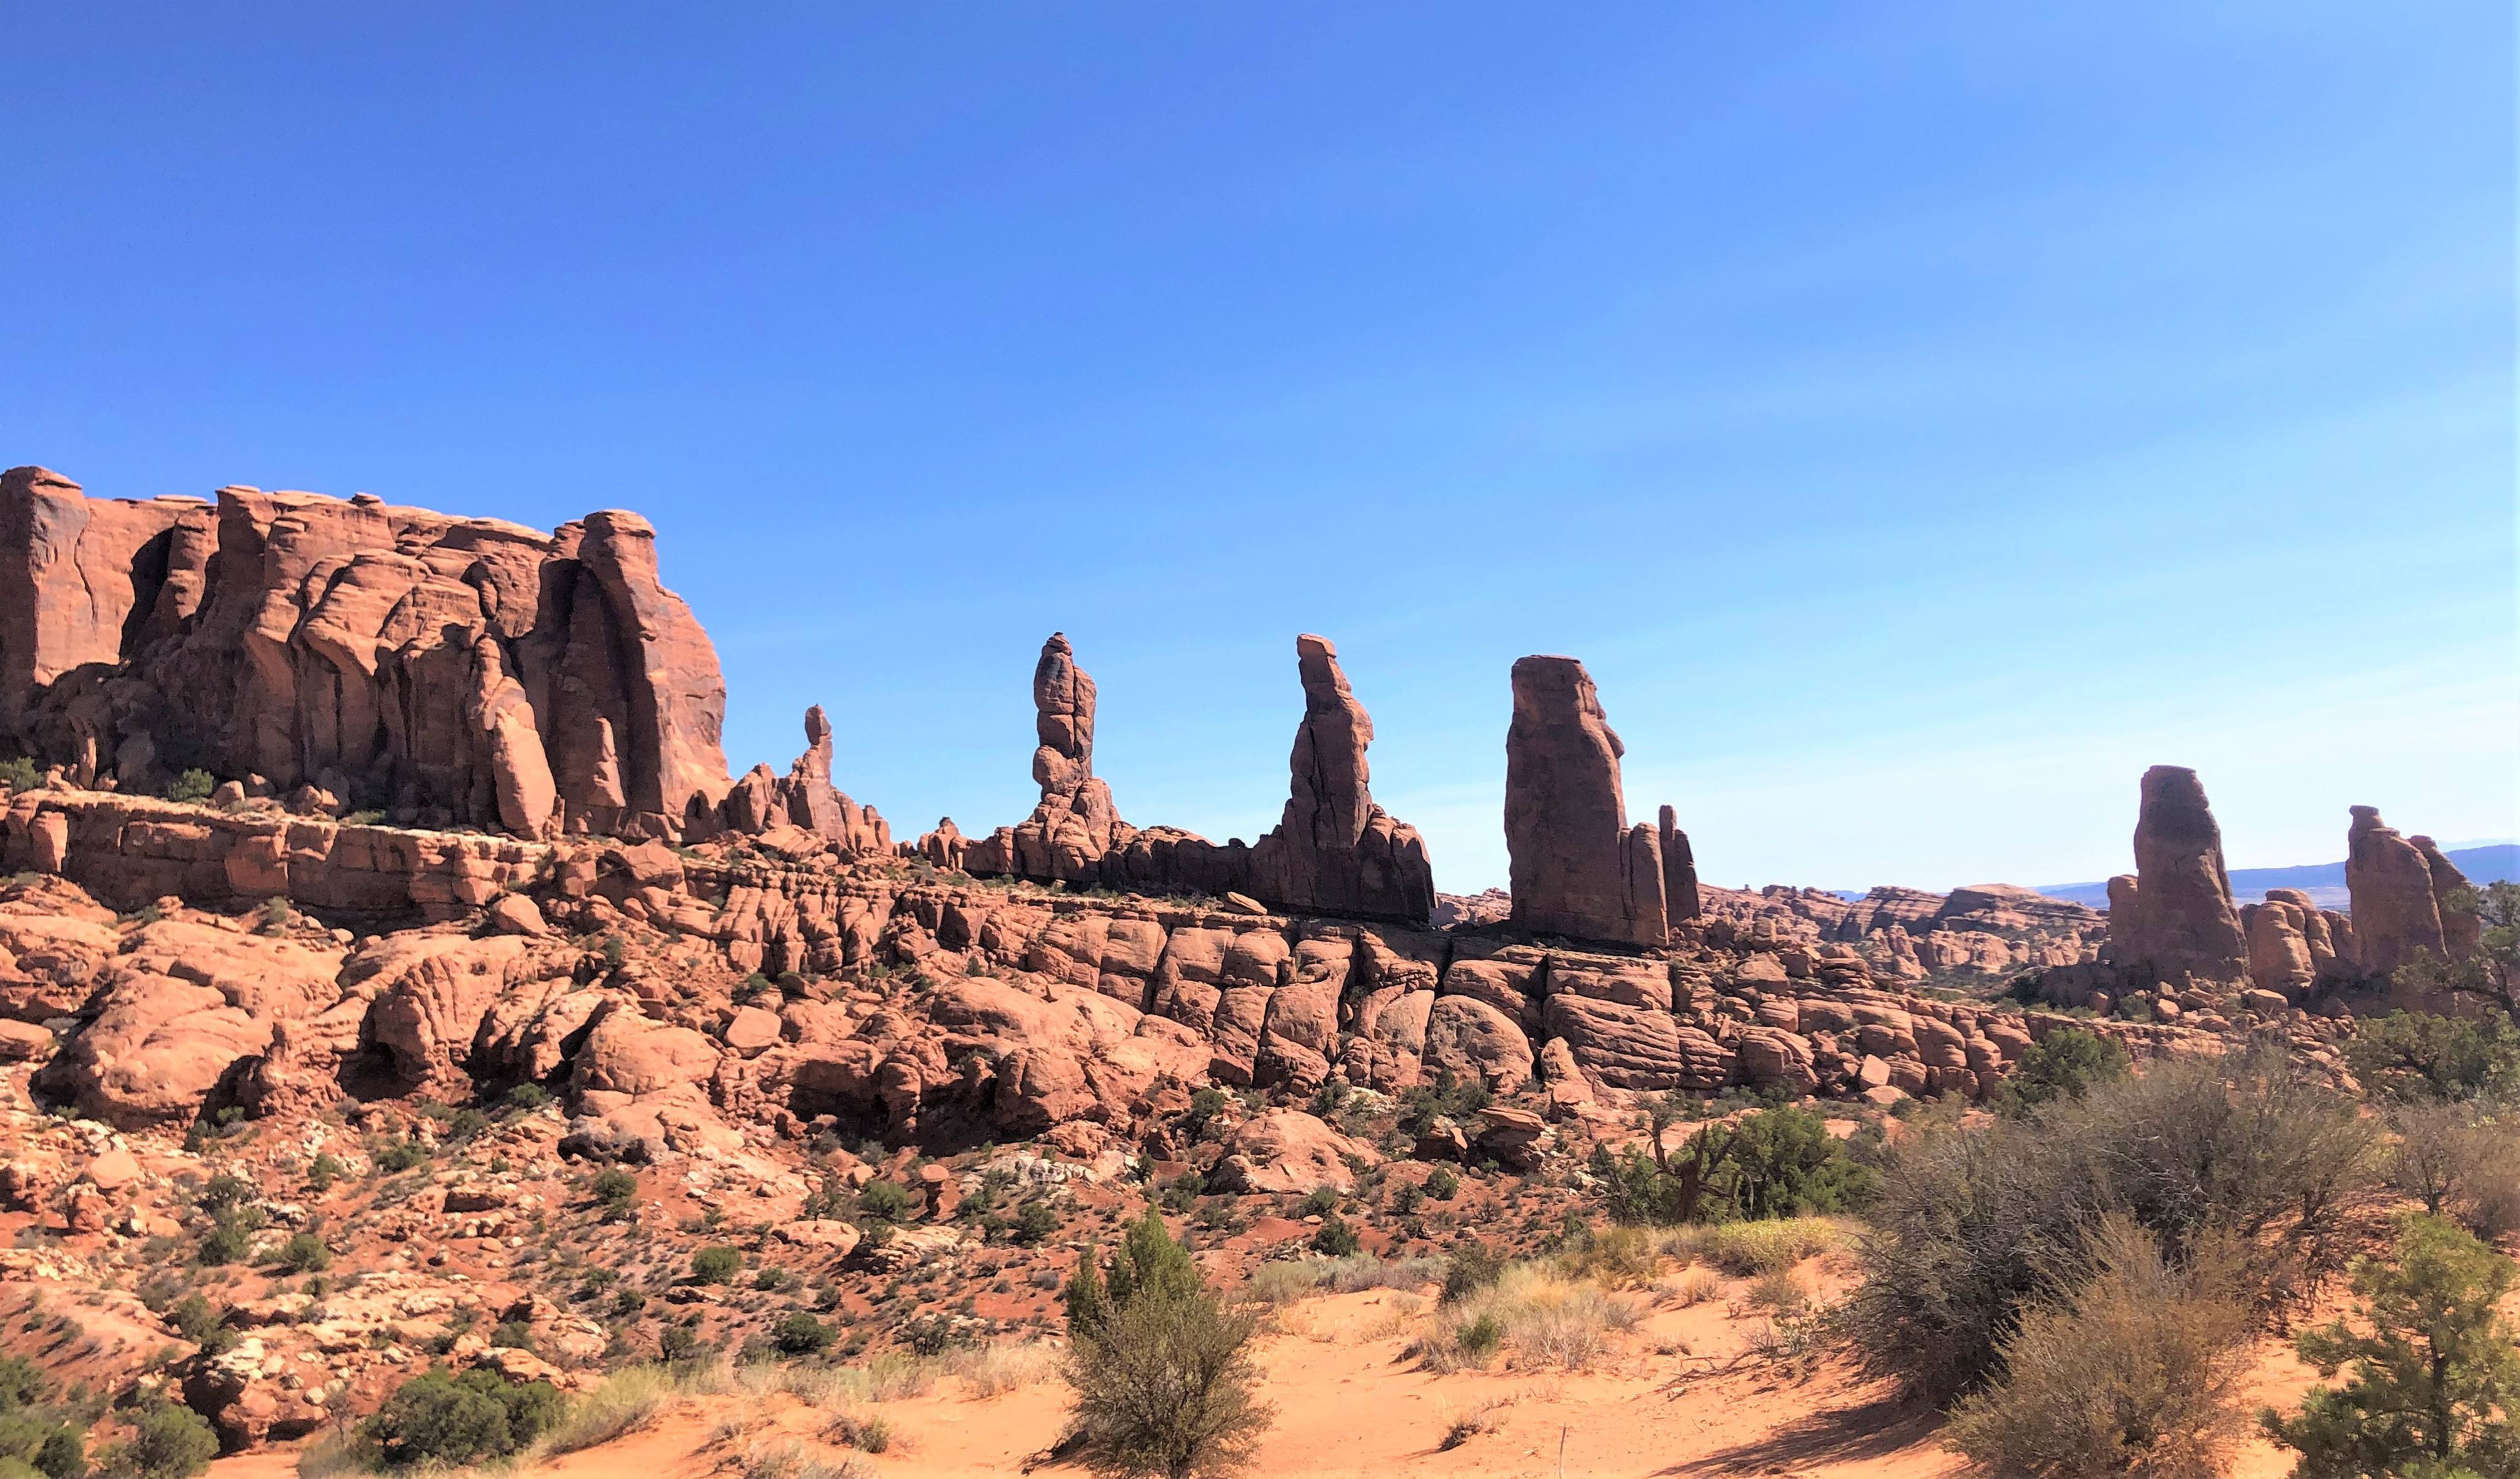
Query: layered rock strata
1577, 867
443, 671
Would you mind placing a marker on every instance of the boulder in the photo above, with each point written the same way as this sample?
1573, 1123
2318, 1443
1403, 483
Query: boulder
1290, 1150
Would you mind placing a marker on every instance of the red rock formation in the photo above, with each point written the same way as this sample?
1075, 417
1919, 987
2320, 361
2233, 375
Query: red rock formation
1679, 872
804, 799
1577, 867
1334, 851
2396, 909
2178, 920
2461, 929
446, 671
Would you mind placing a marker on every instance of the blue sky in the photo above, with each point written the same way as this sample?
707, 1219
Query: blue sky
1919, 418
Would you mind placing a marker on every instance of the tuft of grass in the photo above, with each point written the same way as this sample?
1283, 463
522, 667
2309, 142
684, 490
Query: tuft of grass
622, 1403
1781, 1291
1745, 1249
1697, 1288
1464, 1426
1547, 1317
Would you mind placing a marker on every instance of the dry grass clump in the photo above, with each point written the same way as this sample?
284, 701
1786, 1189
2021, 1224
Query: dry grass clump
1285, 1282
1616, 1257
1697, 1288
992, 1370
1782, 1291
1745, 1249
1462, 1427
791, 1460
1547, 1317
623, 1402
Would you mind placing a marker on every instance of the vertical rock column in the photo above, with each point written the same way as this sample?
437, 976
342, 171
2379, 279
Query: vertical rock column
1679, 870
2396, 912
2186, 922
1334, 849
1577, 867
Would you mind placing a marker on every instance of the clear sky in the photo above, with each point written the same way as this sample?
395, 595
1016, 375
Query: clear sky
1920, 418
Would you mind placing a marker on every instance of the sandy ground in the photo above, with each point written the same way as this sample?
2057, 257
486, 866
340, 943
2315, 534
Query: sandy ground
1687, 1395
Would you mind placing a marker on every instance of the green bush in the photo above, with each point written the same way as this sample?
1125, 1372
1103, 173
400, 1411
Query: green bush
1442, 1184
325, 1170
440, 1417
36, 1438
514, 1334
305, 1253
526, 1099
798, 1333
20, 774
192, 1317
168, 1441
1162, 1371
2064, 1065
1334, 1238
230, 1236
716, 1264
2412, 1056
191, 786
1780, 1162
2435, 1375
399, 1156
1472, 1267
614, 1187
885, 1201
1035, 1222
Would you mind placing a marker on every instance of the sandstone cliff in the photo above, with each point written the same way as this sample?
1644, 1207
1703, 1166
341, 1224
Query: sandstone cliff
442, 671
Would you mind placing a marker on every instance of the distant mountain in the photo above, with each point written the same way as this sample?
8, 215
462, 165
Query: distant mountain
2324, 882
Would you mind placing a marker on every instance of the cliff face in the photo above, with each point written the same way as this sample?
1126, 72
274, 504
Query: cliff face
444, 671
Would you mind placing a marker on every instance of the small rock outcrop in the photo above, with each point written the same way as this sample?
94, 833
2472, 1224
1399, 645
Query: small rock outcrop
2174, 917
759, 801
442, 671
1577, 867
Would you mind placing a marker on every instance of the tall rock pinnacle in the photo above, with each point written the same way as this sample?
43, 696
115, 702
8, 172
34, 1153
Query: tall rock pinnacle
1577, 868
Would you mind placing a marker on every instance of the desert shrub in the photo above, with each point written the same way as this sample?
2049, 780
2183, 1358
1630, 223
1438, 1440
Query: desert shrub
2064, 1065
716, 1264
63, 1454
1472, 1267
2456, 1161
1779, 1289
191, 786
1035, 1222
230, 1238
168, 1441
445, 1417
2412, 1056
1163, 1370
1320, 1201
37, 1439
1697, 1288
1974, 1219
868, 1435
798, 1333
20, 774
512, 1334
1445, 1098
2488, 976
614, 1187
1441, 1184
305, 1253
1334, 1238
886, 1201
1780, 1162
2435, 1373
398, 1157
322, 1171
1362, 1270
2134, 1371
192, 1317
526, 1099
